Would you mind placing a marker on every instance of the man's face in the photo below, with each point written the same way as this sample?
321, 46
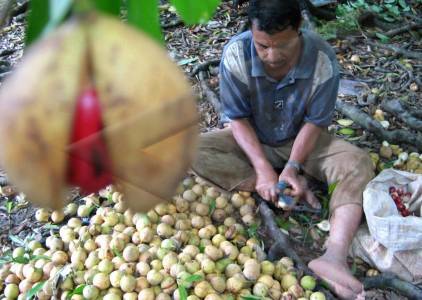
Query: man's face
276, 50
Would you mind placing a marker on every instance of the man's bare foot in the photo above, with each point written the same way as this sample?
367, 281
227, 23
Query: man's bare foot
337, 275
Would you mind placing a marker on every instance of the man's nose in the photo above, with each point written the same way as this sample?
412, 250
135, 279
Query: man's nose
273, 55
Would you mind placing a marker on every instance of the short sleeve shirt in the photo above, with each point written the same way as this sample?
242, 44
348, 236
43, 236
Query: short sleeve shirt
278, 109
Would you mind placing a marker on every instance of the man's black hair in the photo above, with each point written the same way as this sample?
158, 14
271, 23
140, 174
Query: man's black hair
273, 16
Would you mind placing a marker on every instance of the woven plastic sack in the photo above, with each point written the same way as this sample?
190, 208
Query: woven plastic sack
385, 223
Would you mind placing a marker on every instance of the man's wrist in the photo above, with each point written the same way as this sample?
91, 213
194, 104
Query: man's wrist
294, 165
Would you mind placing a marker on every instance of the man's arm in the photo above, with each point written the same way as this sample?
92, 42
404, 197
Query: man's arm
305, 142
303, 145
267, 178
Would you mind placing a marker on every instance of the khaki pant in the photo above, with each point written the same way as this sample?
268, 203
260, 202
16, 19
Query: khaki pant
222, 162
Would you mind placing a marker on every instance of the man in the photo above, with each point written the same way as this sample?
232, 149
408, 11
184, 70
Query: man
278, 86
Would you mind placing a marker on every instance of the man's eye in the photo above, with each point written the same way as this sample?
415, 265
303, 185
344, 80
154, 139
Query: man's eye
263, 46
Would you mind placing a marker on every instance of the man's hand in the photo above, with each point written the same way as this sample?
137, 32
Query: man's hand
299, 186
266, 185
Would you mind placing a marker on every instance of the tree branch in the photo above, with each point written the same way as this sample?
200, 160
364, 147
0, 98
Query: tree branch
397, 136
387, 281
395, 107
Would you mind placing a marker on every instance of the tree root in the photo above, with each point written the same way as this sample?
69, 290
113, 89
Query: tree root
397, 136
281, 241
387, 281
395, 107
282, 245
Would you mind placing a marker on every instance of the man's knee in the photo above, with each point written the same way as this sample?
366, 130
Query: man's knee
363, 167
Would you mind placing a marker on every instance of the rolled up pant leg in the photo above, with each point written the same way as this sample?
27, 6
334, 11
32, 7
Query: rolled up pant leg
221, 161
337, 161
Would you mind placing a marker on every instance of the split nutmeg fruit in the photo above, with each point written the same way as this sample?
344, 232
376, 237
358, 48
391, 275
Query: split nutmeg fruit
97, 102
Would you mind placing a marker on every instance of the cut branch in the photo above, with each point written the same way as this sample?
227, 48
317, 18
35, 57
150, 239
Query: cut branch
204, 66
387, 281
411, 26
209, 94
395, 107
397, 136
398, 50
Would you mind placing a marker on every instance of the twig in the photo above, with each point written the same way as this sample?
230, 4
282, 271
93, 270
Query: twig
405, 28
395, 107
389, 281
204, 66
397, 136
398, 50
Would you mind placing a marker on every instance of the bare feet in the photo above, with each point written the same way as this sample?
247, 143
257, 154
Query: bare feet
337, 275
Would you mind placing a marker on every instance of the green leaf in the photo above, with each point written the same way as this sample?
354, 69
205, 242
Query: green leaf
116, 252
345, 122
304, 218
388, 19
383, 38
376, 9
37, 257
201, 248
37, 20
58, 10
251, 297
79, 289
403, 4
17, 240
9, 206
283, 224
195, 11
34, 290
253, 230
111, 7
346, 131
193, 278
76, 291
213, 205
50, 226
331, 188
183, 294
91, 209
144, 15
5, 260
21, 260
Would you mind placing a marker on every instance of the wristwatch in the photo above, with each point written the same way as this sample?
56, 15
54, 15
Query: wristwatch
294, 164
